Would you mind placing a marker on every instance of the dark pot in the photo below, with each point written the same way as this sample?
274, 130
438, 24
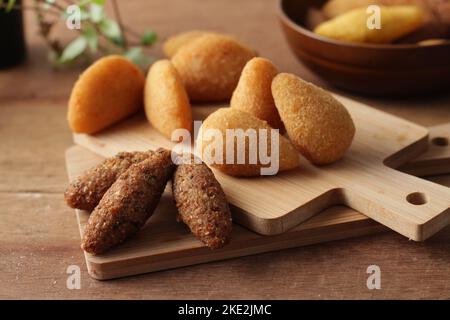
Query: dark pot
11, 37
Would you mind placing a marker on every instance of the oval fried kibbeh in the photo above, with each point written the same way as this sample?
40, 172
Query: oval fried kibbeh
227, 118
210, 66
253, 93
202, 204
128, 203
175, 42
86, 191
318, 125
108, 91
166, 102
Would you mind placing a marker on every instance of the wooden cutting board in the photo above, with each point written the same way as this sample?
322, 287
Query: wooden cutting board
363, 180
163, 243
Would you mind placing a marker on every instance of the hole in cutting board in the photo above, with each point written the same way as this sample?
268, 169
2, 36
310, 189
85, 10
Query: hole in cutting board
440, 141
417, 198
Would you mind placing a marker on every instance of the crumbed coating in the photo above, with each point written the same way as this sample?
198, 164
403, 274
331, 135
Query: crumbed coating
128, 203
253, 93
86, 191
210, 66
175, 42
397, 21
166, 102
228, 118
108, 91
202, 204
318, 125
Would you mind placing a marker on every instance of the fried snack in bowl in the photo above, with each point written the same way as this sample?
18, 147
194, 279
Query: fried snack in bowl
86, 191
253, 93
317, 124
396, 22
219, 149
166, 102
128, 203
201, 202
106, 92
210, 66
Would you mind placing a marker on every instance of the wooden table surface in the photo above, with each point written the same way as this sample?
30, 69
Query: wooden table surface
39, 237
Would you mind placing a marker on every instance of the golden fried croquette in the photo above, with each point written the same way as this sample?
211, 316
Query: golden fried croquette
128, 204
396, 22
318, 125
213, 148
174, 43
253, 93
108, 91
202, 204
166, 102
210, 66
86, 191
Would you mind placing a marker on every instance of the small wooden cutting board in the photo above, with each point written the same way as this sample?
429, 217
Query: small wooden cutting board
363, 180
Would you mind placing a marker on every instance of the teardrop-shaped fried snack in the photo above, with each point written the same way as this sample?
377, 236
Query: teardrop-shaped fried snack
210, 66
233, 141
166, 102
86, 191
107, 92
395, 22
253, 93
201, 203
318, 125
175, 42
128, 204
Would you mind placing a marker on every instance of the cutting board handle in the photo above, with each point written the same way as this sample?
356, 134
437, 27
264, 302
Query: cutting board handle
414, 207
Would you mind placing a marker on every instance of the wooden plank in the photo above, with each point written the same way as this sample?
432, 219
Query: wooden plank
163, 243
361, 180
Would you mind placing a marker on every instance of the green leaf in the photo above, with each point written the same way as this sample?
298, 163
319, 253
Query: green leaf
48, 4
149, 38
10, 5
74, 49
97, 13
138, 57
111, 30
91, 37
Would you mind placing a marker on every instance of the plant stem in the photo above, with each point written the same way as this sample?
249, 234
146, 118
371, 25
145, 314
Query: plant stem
119, 21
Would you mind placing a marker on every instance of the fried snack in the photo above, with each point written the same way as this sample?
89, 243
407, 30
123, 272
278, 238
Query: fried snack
213, 149
210, 66
86, 191
166, 102
202, 204
396, 22
108, 91
128, 204
253, 93
174, 43
318, 125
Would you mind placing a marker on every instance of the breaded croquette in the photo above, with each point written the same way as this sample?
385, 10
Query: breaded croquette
318, 125
108, 91
396, 22
202, 204
210, 66
214, 149
86, 191
175, 42
166, 102
253, 93
128, 203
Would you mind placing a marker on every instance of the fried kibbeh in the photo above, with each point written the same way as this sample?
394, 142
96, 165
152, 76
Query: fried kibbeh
107, 92
213, 146
202, 204
317, 124
253, 93
166, 102
175, 42
210, 66
86, 191
396, 22
128, 203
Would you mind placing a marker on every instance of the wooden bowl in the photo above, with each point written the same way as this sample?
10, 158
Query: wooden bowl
379, 69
